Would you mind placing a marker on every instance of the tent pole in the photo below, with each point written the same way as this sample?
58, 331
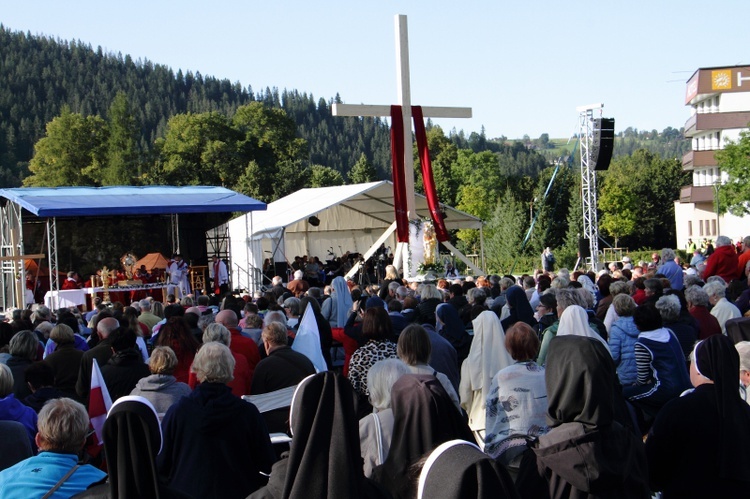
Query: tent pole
390, 230
463, 258
481, 246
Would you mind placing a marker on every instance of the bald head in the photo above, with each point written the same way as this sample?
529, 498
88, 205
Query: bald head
106, 326
227, 318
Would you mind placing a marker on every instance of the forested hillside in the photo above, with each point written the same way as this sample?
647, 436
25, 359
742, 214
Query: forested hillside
73, 115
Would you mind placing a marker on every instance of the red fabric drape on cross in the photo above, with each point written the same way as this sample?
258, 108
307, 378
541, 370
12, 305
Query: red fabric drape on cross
399, 179
428, 181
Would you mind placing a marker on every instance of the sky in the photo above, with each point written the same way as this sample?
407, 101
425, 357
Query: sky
523, 67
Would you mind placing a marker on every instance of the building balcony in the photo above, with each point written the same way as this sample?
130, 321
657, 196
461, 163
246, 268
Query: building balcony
694, 159
716, 121
697, 194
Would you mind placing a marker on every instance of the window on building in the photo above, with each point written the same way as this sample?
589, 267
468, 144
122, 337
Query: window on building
690, 228
700, 226
713, 227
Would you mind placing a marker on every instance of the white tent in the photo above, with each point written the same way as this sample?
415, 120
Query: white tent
350, 218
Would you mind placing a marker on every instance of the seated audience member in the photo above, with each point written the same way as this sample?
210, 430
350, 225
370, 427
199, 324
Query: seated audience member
487, 356
324, 458
282, 368
336, 309
376, 429
723, 262
125, 368
12, 409
587, 452
240, 344
63, 425
698, 306
517, 400
24, 350
721, 308
670, 308
546, 312
697, 447
519, 308
423, 418
41, 379
430, 298
622, 337
161, 388
743, 349
176, 334
458, 469
662, 375
452, 328
65, 360
565, 298
210, 434
574, 321
132, 439
616, 288
242, 377
376, 330
101, 354
414, 349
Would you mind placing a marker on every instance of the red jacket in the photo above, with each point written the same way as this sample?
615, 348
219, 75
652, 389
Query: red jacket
724, 263
244, 346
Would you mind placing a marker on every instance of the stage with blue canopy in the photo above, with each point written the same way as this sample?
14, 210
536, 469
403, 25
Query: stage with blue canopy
186, 211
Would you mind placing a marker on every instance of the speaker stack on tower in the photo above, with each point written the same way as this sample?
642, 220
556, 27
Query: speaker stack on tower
603, 143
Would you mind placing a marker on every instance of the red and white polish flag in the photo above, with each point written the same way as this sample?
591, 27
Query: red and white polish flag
99, 401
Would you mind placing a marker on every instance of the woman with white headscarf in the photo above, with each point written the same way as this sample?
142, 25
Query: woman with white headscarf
486, 357
588, 285
574, 321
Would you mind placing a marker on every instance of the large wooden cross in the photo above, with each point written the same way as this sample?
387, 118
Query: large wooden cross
404, 100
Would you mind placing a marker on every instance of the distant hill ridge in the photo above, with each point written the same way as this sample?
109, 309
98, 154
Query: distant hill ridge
40, 74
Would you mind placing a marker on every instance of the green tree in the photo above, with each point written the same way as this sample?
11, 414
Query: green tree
122, 144
362, 171
618, 203
734, 160
505, 232
71, 154
199, 149
323, 176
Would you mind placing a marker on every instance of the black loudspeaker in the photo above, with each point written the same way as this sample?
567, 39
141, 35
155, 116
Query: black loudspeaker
279, 269
603, 143
584, 250
314, 221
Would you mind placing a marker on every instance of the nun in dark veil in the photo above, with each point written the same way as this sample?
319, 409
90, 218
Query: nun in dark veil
132, 439
459, 470
452, 328
588, 452
423, 418
699, 445
324, 458
519, 308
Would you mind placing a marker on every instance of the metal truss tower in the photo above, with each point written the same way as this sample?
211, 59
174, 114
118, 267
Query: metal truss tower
588, 182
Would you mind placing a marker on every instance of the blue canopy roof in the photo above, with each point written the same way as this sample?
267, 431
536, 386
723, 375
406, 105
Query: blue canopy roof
118, 200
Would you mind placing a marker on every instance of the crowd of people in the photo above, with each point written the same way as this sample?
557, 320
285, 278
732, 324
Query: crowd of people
563, 384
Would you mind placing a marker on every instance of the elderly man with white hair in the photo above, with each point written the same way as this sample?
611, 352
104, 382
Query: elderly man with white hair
722, 309
299, 285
